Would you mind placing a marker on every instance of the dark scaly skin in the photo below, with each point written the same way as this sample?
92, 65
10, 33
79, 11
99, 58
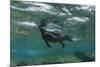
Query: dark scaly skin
52, 36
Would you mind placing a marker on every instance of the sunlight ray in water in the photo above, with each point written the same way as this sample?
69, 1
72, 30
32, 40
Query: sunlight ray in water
30, 24
79, 19
65, 9
39, 5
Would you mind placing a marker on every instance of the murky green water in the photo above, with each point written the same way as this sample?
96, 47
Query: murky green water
27, 42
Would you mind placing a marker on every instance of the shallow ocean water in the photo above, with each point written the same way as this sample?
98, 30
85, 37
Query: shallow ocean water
77, 21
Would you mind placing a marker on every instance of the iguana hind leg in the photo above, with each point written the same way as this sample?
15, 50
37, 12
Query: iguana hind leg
46, 41
63, 45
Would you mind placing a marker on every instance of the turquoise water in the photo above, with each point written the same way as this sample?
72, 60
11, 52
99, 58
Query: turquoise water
26, 40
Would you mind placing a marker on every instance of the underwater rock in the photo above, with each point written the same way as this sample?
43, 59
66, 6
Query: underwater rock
22, 63
85, 57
